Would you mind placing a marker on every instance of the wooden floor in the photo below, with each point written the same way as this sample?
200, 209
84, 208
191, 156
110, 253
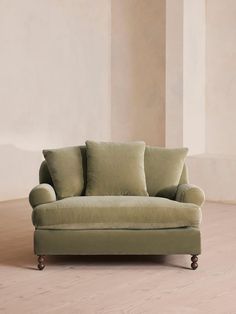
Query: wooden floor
115, 285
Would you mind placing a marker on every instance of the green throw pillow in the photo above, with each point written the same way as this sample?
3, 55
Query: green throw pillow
163, 169
66, 169
115, 168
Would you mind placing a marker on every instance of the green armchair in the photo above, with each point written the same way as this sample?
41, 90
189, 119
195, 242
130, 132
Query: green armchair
97, 225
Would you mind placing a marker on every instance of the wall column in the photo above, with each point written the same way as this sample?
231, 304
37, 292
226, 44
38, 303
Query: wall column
185, 74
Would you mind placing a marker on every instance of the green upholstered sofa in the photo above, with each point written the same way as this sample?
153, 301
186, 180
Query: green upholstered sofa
105, 225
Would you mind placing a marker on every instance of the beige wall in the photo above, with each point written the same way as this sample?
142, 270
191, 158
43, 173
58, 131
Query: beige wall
78, 69
174, 73
56, 87
194, 75
185, 74
138, 70
54, 82
221, 77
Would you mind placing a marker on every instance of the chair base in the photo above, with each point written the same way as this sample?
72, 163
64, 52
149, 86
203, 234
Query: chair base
41, 262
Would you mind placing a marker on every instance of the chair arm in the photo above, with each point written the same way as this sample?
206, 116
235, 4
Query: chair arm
189, 193
42, 194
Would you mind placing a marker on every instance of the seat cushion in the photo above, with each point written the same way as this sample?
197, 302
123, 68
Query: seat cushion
116, 212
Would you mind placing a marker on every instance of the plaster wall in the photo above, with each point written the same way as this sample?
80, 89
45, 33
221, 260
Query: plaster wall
174, 73
215, 170
194, 25
138, 71
54, 83
185, 74
56, 87
220, 77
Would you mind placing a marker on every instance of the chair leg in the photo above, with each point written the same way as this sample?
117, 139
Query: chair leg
194, 260
41, 262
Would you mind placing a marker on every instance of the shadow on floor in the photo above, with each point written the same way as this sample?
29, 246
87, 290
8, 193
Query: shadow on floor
117, 260
27, 260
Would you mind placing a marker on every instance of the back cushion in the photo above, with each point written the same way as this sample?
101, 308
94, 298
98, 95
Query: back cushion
115, 168
44, 174
163, 169
66, 168
151, 178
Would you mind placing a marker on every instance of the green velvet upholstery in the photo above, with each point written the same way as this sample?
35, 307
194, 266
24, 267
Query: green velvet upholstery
115, 212
65, 166
189, 193
127, 242
44, 174
42, 194
115, 168
163, 169
184, 176
117, 224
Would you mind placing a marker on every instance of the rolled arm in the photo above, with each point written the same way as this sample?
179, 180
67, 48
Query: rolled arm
189, 193
42, 194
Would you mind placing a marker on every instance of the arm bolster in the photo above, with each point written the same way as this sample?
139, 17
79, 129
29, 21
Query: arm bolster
189, 193
42, 194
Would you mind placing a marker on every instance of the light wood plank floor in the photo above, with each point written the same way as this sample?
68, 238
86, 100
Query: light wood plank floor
118, 284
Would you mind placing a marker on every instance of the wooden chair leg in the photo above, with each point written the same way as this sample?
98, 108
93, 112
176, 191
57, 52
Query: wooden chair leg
41, 262
194, 260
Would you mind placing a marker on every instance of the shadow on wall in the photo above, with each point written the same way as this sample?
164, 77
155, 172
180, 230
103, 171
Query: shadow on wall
18, 171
